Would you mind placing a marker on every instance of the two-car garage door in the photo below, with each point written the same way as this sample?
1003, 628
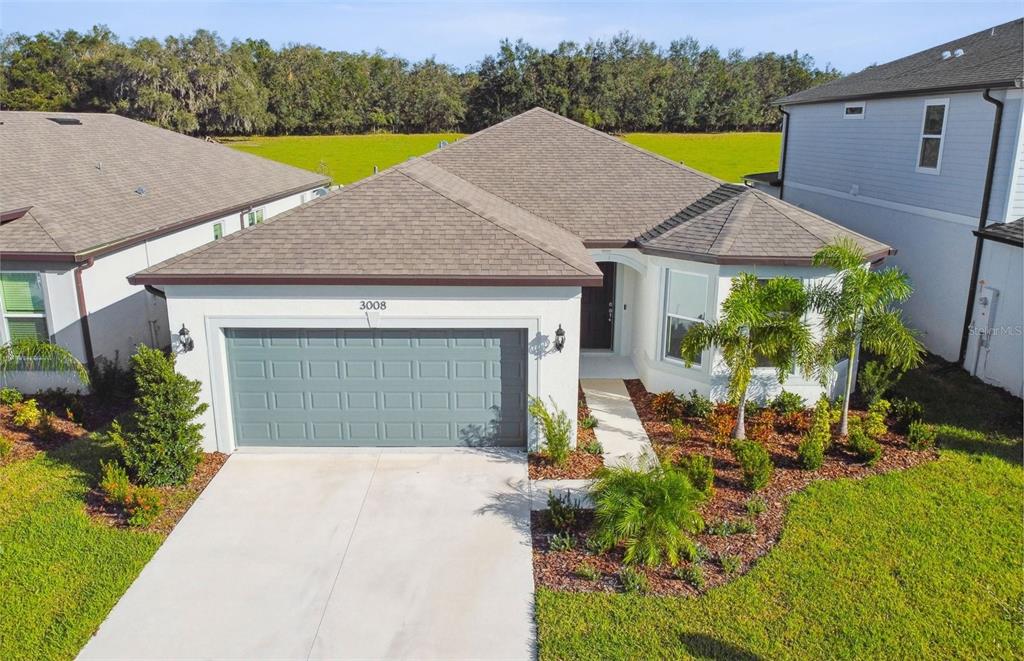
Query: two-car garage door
409, 387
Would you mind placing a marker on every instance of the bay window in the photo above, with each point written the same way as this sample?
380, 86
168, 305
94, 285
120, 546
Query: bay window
686, 300
24, 309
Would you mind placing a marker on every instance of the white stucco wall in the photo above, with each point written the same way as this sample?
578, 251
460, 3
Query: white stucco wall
207, 310
1001, 362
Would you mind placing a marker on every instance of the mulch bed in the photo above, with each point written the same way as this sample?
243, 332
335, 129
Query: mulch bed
28, 443
580, 465
556, 569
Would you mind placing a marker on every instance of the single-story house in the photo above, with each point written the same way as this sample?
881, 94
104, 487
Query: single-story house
87, 199
423, 305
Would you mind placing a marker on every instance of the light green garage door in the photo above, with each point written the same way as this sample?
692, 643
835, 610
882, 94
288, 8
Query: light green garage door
334, 387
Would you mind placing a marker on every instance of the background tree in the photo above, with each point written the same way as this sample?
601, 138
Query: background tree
857, 309
758, 319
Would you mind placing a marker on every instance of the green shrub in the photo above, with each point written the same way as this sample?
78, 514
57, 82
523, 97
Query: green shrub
666, 405
588, 422
650, 512
755, 463
587, 571
563, 511
755, 505
10, 396
921, 436
698, 406
593, 447
727, 527
144, 506
114, 483
562, 541
6, 446
701, 472
821, 423
905, 411
689, 551
557, 430
45, 427
730, 563
109, 382
680, 430
634, 581
876, 379
874, 421
595, 545
811, 453
788, 402
161, 443
27, 414
692, 574
863, 445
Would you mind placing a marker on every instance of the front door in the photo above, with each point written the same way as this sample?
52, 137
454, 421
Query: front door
598, 311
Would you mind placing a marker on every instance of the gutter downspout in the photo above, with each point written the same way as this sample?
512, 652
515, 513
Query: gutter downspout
785, 146
156, 292
979, 242
83, 311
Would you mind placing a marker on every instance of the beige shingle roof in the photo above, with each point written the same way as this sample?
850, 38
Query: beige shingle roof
81, 180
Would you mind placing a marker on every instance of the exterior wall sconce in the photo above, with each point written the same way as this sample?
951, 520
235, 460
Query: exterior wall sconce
559, 338
185, 341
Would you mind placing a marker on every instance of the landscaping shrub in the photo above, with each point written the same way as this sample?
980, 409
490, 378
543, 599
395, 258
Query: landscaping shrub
698, 406
692, 574
557, 430
650, 512
27, 414
727, 527
588, 422
788, 402
874, 421
905, 411
701, 472
666, 405
875, 380
731, 563
144, 506
562, 541
10, 396
114, 482
593, 447
811, 453
587, 571
795, 423
108, 381
6, 446
690, 552
921, 436
722, 421
595, 545
755, 505
45, 427
863, 445
563, 511
161, 443
821, 422
680, 430
634, 581
762, 426
755, 463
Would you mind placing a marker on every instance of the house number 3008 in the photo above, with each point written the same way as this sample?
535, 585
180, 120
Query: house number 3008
373, 305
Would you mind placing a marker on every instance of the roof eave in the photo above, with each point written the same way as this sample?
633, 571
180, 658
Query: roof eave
998, 238
582, 280
752, 260
999, 84
28, 256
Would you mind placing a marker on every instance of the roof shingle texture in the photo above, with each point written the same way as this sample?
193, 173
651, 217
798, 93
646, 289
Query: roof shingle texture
1011, 232
994, 56
81, 180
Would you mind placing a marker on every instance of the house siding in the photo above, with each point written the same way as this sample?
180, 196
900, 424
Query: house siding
999, 278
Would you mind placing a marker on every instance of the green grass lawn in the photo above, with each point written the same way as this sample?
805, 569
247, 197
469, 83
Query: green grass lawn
919, 564
60, 571
348, 158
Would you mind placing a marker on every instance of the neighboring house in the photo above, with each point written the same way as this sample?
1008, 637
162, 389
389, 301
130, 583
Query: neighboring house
423, 305
920, 153
88, 199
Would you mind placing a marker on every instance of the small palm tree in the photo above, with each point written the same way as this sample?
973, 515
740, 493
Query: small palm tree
29, 354
759, 318
856, 308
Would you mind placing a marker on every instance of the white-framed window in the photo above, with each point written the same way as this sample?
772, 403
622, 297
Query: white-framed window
854, 110
686, 299
24, 306
254, 217
933, 135
218, 231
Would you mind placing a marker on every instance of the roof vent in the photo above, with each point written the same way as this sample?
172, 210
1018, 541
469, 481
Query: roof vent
140, 191
959, 52
65, 121
946, 55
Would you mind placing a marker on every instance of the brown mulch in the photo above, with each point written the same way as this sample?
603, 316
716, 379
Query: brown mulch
28, 443
584, 437
580, 465
556, 569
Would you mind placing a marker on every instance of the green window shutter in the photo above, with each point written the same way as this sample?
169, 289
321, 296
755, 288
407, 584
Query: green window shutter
27, 328
22, 293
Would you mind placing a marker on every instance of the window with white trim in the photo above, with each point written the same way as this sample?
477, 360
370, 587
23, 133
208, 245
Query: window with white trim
24, 308
254, 217
933, 133
854, 110
686, 298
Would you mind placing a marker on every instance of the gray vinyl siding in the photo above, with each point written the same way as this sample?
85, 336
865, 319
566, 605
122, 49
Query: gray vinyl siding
878, 153
1016, 199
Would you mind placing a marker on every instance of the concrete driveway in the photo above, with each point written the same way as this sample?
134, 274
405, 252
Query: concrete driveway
340, 555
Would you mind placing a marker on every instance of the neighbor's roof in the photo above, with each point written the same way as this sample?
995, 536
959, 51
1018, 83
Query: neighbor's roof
518, 202
1011, 232
107, 181
991, 58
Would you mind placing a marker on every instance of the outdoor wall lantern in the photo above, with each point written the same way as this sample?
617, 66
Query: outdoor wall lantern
559, 338
185, 341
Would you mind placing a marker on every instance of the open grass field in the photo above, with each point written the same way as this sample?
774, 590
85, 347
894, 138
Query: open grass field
348, 158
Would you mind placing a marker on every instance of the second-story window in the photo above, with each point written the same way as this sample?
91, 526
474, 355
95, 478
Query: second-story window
933, 132
853, 110
254, 217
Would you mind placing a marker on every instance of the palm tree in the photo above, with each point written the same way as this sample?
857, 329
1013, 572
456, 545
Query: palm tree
856, 308
758, 319
30, 354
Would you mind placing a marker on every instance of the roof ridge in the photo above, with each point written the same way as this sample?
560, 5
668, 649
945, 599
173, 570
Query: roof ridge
782, 210
717, 196
730, 231
519, 231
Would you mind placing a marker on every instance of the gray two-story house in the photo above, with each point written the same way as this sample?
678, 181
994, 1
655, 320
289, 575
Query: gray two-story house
924, 153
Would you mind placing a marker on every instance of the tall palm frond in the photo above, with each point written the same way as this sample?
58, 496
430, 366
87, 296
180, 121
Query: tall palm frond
38, 355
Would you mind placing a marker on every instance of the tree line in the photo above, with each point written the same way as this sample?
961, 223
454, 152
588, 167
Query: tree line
199, 84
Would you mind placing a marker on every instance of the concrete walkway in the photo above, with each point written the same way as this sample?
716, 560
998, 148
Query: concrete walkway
619, 429
338, 555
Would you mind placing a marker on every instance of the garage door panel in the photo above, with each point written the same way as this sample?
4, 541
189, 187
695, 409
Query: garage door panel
322, 387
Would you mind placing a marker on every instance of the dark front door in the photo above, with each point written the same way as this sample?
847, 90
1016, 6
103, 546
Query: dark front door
598, 311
